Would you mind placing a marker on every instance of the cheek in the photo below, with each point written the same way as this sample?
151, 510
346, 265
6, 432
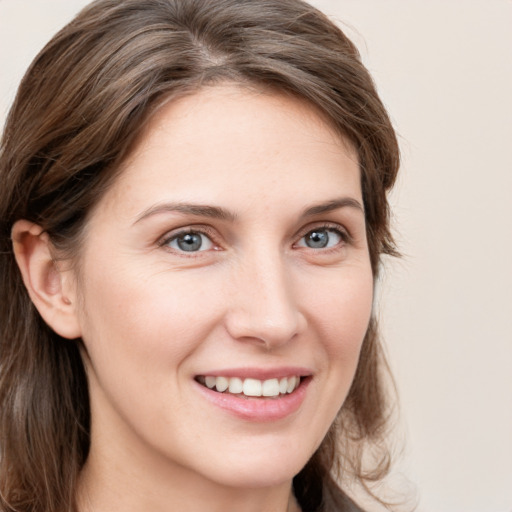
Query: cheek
343, 314
344, 306
128, 314
140, 334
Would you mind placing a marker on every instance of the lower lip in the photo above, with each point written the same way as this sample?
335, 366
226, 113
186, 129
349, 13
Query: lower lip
259, 409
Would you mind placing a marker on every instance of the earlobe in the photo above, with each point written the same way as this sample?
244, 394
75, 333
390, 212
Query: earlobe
47, 284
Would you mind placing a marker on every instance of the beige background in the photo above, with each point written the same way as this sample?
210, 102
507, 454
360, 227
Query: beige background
444, 69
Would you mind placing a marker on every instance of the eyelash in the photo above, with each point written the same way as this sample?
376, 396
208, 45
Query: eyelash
344, 235
199, 230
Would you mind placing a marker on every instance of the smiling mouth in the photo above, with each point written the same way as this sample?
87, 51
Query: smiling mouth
251, 388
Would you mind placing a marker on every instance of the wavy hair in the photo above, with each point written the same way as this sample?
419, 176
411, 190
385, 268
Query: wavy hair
84, 100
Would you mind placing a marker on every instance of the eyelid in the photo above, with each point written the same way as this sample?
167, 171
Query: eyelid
214, 237
191, 228
333, 226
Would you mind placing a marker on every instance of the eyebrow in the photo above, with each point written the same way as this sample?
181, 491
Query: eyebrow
216, 212
199, 210
335, 204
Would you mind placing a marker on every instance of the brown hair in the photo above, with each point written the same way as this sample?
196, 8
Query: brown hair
79, 108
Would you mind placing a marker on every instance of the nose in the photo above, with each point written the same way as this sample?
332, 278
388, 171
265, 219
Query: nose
263, 304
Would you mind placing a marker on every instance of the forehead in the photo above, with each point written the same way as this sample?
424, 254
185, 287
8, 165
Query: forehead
225, 140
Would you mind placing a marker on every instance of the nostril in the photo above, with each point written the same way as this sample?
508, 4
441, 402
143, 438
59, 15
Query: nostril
269, 331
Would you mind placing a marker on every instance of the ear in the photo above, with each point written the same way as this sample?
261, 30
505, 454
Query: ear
51, 289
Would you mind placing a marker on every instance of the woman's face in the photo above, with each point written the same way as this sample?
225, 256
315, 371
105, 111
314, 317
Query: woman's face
231, 251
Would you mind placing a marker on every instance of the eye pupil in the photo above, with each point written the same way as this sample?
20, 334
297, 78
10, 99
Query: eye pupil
190, 242
317, 239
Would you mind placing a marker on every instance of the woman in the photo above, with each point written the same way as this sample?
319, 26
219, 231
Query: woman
192, 215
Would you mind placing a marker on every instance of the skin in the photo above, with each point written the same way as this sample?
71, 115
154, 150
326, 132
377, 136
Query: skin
153, 317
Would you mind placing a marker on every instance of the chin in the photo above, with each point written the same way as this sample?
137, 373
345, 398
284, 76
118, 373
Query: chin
260, 468
270, 475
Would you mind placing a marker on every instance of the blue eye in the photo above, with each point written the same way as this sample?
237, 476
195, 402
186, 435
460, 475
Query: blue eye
322, 238
191, 241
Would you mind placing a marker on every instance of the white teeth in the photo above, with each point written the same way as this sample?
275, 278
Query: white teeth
270, 387
210, 382
235, 385
221, 384
252, 387
291, 384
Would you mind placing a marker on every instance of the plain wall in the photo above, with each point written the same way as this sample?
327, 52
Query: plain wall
444, 69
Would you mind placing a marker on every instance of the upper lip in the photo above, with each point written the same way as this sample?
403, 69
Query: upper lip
259, 373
